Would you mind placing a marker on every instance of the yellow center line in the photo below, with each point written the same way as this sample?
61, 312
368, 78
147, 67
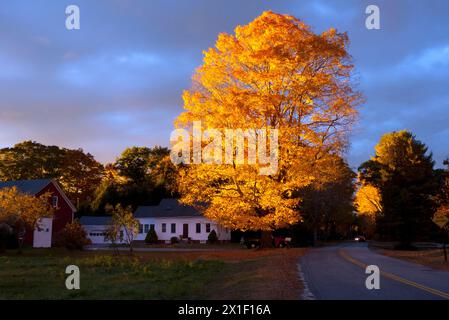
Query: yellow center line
436, 292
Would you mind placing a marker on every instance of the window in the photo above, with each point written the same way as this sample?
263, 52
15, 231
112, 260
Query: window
173, 228
152, 227
198, 228
54, 201
146, 228
207, 227
164, 227
140, 228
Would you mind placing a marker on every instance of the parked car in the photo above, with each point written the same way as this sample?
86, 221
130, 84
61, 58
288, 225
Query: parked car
252, 243
282, 242
278, 242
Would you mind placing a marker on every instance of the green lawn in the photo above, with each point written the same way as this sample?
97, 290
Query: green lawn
41, 275
214, 274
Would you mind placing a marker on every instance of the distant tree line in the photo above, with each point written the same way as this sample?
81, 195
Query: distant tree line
139, 176
394, 195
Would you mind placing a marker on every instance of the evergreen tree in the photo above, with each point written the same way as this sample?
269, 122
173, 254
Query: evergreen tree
403, 172
151, 237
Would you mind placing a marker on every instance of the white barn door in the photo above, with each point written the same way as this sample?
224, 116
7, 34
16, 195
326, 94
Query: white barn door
42, 233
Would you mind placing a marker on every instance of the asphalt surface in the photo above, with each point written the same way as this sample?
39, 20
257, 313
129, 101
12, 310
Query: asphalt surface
338, 273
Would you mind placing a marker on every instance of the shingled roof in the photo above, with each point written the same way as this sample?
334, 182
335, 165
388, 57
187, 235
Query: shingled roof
95, 220
166, 208
27, 186
33, 187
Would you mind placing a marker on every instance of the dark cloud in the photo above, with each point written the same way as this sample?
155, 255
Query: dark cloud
118, 81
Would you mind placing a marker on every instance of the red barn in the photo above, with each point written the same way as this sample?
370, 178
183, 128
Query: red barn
64, 209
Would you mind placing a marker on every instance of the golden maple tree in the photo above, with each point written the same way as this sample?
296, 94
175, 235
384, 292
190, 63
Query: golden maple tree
23, 211
124, 226
442, 200
442, 212
368, 200
276, 73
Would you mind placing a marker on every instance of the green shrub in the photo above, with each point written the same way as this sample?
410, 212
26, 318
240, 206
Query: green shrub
5, 233
151, 237
73, 237
174, 240
212, 238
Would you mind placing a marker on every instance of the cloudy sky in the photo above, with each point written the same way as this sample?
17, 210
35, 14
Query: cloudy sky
117, 81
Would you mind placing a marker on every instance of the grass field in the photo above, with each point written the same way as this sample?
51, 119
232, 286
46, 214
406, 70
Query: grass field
226, 274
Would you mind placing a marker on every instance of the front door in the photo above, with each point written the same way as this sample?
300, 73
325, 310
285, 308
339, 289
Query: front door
185, 230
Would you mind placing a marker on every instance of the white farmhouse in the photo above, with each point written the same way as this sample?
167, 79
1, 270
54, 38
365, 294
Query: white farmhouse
172, 219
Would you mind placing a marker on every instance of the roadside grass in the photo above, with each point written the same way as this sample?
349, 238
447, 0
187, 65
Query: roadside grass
272, 276
433, 258
182, 245
225, 274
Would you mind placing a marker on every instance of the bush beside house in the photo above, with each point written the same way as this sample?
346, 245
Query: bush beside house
212, 238
151, 237
72, 237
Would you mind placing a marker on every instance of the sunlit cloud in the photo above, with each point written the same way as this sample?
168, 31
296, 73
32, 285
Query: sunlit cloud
138, 59
116, 118
431, 59
322, 8
108, 71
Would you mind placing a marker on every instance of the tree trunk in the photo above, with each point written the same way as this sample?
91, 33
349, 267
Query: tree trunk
20, 245
266, 239
326, 232
131, 249
20, 239
315, 236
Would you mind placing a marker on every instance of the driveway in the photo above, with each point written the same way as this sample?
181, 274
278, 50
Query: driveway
338, 272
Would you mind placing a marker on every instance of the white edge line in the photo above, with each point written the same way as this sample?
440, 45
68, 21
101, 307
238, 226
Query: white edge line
306, 294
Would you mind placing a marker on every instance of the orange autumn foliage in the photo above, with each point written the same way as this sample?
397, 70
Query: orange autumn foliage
272, 73
368, 201
23, 210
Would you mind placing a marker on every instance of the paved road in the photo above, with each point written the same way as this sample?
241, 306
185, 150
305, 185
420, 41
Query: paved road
338, 272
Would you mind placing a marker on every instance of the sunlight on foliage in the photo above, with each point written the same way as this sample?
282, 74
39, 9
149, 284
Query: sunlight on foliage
272, 73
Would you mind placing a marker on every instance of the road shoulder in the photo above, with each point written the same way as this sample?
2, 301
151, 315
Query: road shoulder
433, 258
